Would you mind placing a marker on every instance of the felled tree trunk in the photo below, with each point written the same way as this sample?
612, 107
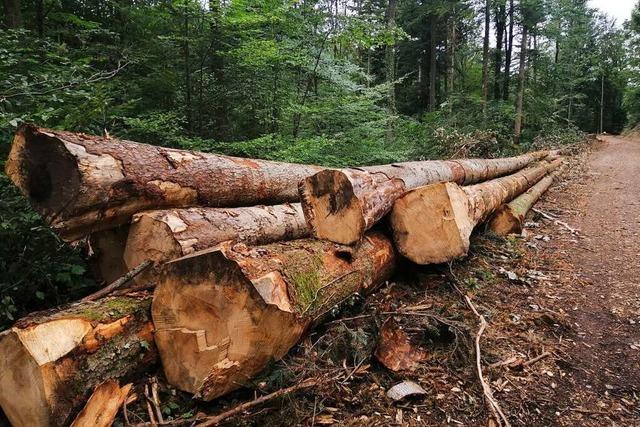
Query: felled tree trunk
432, 224
169, 234
509, 218
340, 205
83, 183
51, 362
221, 315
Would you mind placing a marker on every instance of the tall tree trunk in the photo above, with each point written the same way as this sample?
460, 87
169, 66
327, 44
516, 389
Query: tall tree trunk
451, 57
340, 205
485, 56
508, 53
500, 30
521, 83
187, 71
602, 103
390, 56
432, 64
222, 315
40, 17
425, 236
12, 13
82, 183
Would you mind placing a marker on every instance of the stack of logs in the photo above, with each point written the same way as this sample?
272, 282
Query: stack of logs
233, 284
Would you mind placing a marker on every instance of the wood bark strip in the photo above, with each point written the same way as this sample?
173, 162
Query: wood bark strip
84, 183
509, 218
340, 205
164, 235
432, 224
222, 314
50, 362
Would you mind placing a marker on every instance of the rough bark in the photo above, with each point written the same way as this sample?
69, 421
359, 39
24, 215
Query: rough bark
340, 205
509, 218
170, 234
106, 249
521, 81
12, 13
485, 55
500, 30
223, 314
50, 362
83, 183
432, 224
508, 44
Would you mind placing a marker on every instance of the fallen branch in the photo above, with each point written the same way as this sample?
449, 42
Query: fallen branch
217, 419
557, 221
493, 404
118, 283
536, 359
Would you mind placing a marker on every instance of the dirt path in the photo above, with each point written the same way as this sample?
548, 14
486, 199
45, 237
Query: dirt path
603, 299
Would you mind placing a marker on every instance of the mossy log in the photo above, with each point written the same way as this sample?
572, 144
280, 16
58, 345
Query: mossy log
433, 224
223, 314
340, 205
509, 218
82, 183
50, 362
169, 234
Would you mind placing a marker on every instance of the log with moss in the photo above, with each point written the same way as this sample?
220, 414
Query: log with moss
82, 183
50, 362
509, 218
223, 314
433, 224
169, 234
340, 205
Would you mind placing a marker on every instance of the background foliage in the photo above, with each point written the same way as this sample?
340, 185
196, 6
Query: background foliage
334, 82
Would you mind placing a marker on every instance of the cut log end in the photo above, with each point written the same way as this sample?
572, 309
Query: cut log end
43, 169
505, 222
431, 224
331, 208
150, 238
214, 330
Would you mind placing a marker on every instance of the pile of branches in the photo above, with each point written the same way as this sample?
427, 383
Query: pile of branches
218, 265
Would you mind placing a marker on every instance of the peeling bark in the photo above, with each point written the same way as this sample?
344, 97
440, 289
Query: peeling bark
50, 362
340, 205
83, 183
170, 234
223, 314
509, 218
432, 224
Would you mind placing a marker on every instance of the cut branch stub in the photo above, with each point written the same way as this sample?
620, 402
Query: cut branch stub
340, 205
169, 234
50, 362
432, 224
222, 314
84, 183
509, 218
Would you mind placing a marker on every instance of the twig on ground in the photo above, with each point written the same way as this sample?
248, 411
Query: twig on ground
217, 419
156, 399
354, 371
486, 389
152, 418
557, 221
118, 283
536, 359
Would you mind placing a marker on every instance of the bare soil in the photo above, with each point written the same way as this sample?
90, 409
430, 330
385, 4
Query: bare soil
562, 345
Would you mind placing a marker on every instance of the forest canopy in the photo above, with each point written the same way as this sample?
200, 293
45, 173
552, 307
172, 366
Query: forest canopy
338, 82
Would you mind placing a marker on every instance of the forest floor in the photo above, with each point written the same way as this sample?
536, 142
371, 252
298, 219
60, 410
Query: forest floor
562, 344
